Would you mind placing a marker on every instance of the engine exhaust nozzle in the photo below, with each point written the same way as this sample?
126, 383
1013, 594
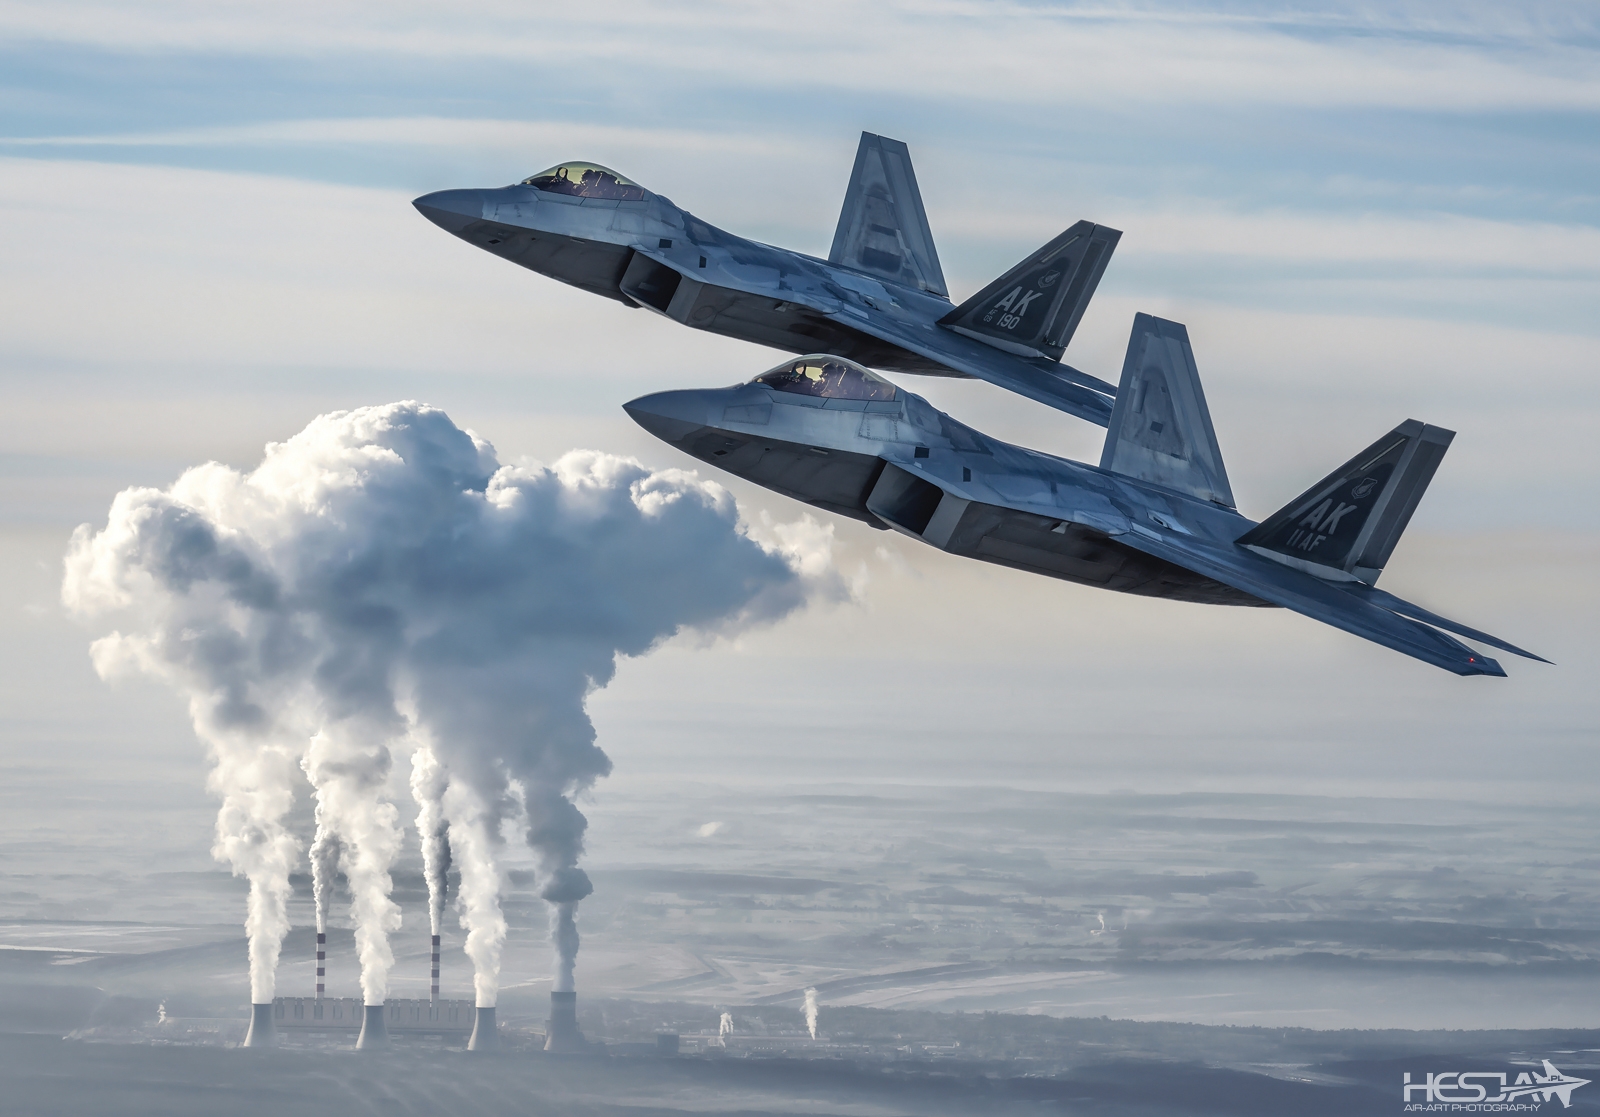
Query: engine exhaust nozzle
374, 1032
263, 1032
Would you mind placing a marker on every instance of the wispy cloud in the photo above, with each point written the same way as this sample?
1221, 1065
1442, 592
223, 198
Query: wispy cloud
431, 131
1432, 242
1001, 53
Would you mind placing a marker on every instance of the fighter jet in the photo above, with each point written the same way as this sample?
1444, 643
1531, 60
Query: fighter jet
1156, 517
879, 299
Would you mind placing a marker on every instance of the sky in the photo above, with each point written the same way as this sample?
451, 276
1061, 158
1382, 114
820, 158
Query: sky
1361, 212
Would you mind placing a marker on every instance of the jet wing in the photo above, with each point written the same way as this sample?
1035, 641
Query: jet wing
1355, 607
1043, 381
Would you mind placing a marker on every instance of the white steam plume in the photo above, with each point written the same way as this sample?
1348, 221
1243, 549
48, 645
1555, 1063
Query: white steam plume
725, 1025
348, 766
475, 843
257, 789
324, 856
380, 577
811, 1012
428, 785
201, 615
571, 566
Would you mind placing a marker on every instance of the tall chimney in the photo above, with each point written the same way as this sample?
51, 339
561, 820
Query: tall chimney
322, 962
561, 1033
435, 998
374, 1032
263, 1032
485, 1035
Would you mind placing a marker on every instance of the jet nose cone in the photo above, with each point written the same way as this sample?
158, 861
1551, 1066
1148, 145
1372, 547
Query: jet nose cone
670, 416
451, 210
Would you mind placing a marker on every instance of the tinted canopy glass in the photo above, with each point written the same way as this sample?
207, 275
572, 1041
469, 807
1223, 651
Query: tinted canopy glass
586, 180
834, 377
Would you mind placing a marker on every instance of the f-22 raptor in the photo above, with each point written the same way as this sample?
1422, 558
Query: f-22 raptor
878, 299
1156, 517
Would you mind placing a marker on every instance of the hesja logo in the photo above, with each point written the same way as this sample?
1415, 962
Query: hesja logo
1468, 1091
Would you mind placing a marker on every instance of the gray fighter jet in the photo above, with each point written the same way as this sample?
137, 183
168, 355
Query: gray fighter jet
1156, 517
878, 299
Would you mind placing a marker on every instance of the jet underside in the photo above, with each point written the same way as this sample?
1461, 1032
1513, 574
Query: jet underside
636, 280
900, 464
844, 482
646, 252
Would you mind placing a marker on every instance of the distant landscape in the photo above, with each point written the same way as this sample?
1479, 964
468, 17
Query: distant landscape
1040, 946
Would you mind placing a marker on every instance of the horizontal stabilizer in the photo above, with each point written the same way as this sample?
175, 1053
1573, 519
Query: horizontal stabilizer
1356, 608
1160, 427
1346, 525
1417, 613
883, 229
1034, 308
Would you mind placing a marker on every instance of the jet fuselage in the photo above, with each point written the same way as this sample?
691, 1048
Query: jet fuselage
1156, 517
647, 252
902, 464
879, 299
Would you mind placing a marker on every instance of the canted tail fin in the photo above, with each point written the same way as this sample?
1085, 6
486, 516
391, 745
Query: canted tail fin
1346, 525
1034, 308
883, 229
1160, 427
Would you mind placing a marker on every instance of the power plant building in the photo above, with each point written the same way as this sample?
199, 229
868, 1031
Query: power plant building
401, 1016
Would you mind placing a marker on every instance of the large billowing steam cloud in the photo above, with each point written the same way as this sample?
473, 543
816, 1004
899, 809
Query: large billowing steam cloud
380, 583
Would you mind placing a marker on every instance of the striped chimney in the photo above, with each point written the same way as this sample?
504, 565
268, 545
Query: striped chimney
436, 969
322, 962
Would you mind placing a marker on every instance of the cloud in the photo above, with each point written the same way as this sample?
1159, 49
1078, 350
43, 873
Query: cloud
1001, 53
476, 133
380, 576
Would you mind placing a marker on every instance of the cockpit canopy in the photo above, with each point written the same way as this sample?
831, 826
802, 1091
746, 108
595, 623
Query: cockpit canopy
823, 375
586, 180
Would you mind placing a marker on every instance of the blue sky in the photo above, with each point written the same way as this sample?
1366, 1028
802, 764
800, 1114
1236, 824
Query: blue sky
1362, 213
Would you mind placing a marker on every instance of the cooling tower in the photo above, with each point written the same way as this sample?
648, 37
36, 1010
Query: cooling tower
374, 1032
263, 1032
485, 1035
561, 1033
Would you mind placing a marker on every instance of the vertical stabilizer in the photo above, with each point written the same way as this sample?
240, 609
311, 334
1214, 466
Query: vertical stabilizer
1160, 427
883, 229
1346, 525
1034, 309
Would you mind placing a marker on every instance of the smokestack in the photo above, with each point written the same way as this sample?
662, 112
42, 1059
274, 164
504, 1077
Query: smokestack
263, 1032
322, 962
485, 1035
374, 1032
435, 994
561, 1033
